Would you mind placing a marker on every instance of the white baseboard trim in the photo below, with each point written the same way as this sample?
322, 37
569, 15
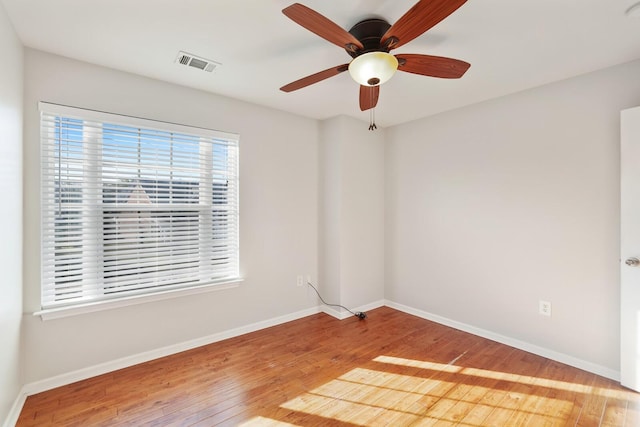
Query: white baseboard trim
334, 313
92, 371
512, 342
344, 314
14, 412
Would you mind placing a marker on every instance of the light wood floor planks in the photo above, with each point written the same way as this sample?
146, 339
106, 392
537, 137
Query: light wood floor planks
392, 369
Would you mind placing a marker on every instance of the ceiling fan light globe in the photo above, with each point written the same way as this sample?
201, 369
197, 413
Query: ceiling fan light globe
373, 68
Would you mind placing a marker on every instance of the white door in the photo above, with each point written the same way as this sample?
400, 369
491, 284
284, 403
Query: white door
630, 249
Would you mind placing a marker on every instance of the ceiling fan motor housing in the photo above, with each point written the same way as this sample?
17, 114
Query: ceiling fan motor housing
369, 32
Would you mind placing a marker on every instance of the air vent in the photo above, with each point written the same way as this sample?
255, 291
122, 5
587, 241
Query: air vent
200, 63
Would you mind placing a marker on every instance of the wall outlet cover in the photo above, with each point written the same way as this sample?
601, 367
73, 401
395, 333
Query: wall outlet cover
544, 308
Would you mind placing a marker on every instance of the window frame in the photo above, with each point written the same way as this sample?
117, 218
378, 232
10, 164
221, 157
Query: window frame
203, 211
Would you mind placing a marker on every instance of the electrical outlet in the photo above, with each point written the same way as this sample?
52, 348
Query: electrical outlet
300, 280
544, 308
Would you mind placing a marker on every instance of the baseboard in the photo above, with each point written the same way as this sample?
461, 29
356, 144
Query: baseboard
14, 412
512, 342
344, 314
92, 371
334, 313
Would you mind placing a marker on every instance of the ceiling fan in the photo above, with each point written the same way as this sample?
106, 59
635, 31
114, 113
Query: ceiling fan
369, 41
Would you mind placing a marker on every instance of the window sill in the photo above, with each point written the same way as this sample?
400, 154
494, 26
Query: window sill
60, 312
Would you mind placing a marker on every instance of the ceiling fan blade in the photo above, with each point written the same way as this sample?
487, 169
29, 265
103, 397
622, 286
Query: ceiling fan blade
422, 16
369, 97
314, 78
432, 66
325, 28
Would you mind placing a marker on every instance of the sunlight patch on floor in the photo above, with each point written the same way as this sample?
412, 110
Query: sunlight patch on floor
522, 379
371, 397
347, 411
440, 367
265, 422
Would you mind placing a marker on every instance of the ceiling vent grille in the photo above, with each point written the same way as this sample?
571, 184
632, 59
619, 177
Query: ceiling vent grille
194, 61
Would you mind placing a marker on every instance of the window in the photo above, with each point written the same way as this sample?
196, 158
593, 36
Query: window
133, 206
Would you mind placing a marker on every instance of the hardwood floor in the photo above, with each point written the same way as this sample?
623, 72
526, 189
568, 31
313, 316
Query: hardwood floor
392, 369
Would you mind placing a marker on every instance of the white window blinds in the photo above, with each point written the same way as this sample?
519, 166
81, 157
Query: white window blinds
133, 206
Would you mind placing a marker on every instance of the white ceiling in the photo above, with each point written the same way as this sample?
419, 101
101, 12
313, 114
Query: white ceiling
512, 45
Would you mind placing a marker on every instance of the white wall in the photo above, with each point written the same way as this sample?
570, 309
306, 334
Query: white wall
330, 203
11, 214
362, 248
352, 213
493, 207
278, 220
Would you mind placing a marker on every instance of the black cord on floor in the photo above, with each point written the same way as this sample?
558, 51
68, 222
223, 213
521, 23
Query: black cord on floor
359, 314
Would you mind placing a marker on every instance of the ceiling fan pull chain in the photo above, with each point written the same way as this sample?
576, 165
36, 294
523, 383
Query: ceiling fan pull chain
372, 119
